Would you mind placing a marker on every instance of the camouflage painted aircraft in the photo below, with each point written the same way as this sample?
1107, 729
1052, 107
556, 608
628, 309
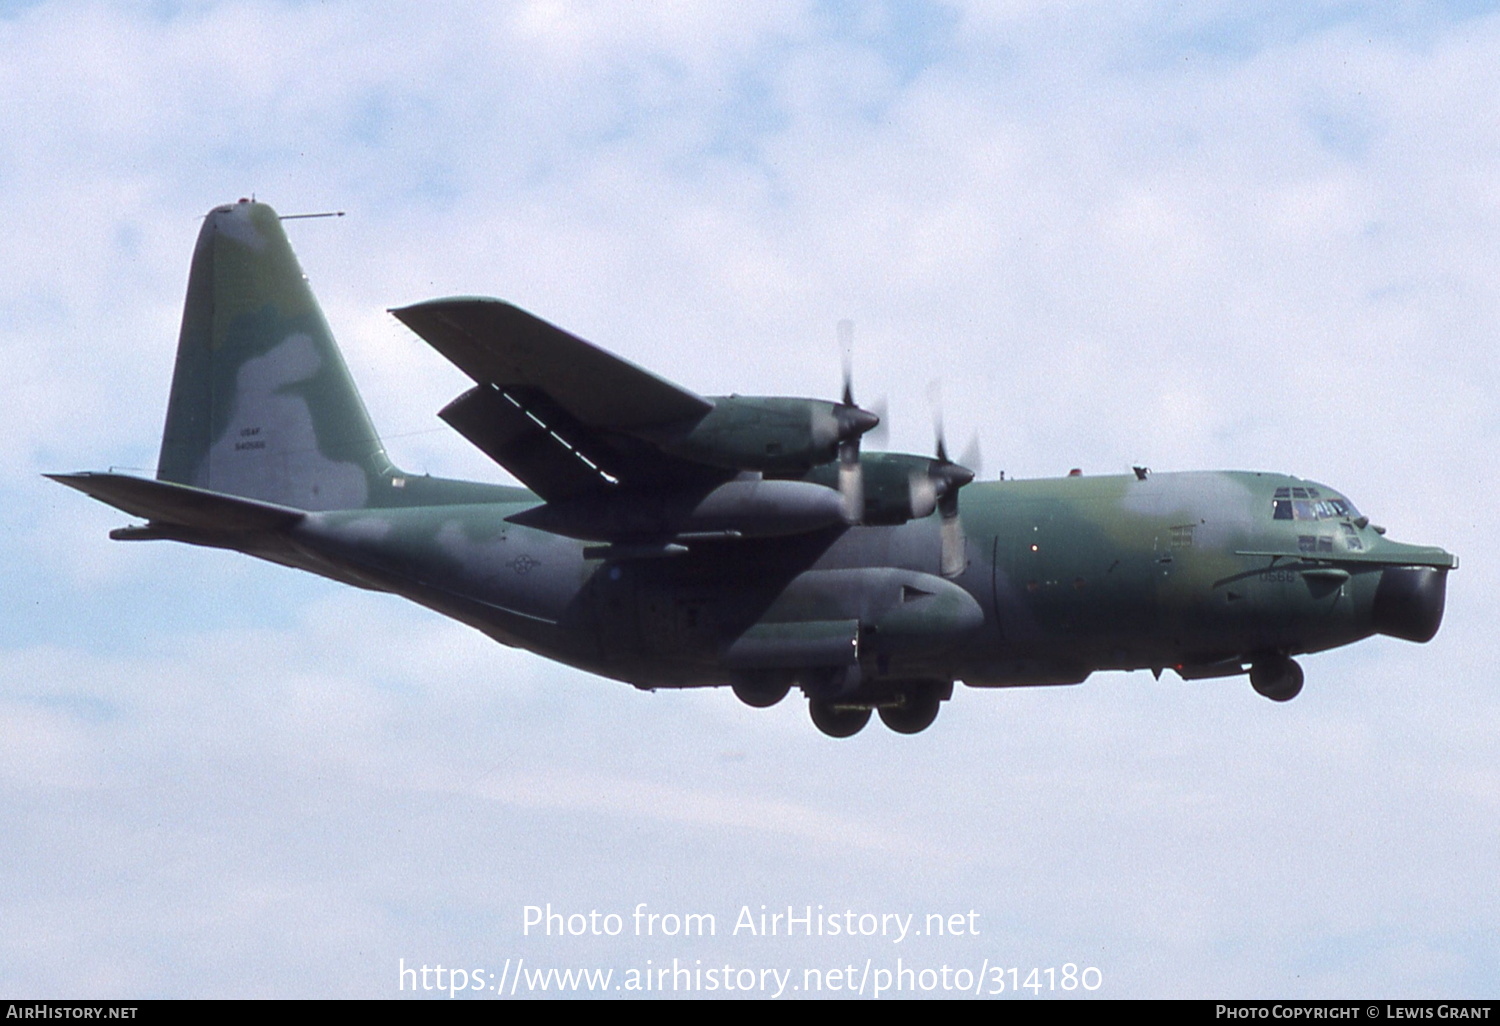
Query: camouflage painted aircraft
674, 540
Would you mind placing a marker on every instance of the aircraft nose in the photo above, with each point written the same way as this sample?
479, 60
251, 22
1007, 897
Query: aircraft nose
1409, 602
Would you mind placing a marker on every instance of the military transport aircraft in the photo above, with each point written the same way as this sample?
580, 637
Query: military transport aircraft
674, 540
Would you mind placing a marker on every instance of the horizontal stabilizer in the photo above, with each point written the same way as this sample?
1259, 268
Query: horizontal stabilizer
162, 502
498, 344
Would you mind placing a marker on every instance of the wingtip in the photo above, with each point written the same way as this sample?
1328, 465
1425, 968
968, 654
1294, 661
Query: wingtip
416, 311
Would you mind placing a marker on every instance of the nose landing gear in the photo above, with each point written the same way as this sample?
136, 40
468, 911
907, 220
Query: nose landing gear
1276, 676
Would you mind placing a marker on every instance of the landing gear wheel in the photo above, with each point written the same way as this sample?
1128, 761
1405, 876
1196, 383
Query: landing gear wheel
1276, 677
761, 692
917, 709
838, 720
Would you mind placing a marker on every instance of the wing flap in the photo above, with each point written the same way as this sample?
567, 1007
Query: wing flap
499, 344
538, 456
556, 456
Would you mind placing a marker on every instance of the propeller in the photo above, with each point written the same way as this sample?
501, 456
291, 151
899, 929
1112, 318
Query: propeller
945, 478
853, 423
971, 457
880, 433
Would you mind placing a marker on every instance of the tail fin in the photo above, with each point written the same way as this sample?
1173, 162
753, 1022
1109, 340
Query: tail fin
262, 405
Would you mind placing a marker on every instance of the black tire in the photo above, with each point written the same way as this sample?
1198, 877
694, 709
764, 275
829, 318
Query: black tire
1277, 678
917, 709
838, 720
761, 692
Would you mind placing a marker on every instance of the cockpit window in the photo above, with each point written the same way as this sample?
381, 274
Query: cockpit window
1307, 504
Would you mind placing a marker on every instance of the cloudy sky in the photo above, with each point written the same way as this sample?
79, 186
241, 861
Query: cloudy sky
1193, 236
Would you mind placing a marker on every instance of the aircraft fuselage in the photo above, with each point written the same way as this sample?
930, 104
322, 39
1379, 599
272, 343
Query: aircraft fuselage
1064, 576
670, 539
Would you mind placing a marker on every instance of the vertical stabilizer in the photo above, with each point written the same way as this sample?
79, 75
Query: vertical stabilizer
262, 404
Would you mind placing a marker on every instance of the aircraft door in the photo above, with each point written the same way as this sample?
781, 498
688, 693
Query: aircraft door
616, 609
1062, 569
1013, 578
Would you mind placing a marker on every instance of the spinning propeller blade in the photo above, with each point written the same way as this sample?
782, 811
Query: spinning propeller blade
853, 422
947, 478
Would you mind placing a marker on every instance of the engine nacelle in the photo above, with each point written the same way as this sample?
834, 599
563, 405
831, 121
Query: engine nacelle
897, 486
773, 434
742, 508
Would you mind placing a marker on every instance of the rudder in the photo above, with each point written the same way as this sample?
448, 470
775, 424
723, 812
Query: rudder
262, 405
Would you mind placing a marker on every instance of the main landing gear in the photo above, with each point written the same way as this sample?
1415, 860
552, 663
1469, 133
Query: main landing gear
837, 720
907, 707
916, 707
1276, 676
840, 703
763, 689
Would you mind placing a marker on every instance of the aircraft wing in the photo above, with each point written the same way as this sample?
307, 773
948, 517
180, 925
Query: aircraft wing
557, 456
498, 344
557, 412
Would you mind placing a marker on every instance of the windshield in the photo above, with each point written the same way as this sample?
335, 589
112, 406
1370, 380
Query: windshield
1292, 503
